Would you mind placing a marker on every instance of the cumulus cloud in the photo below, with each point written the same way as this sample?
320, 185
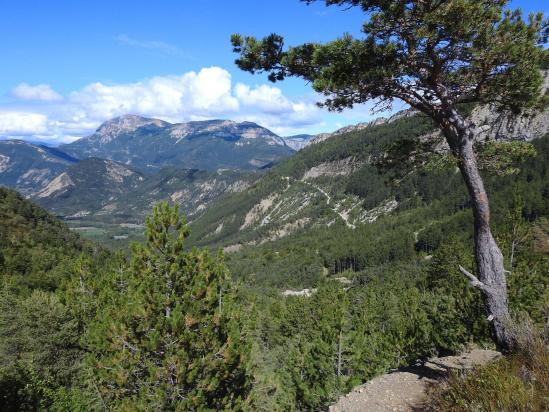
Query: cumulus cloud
206, 93
195, 95
22, 124
266, 98
42, 92
267, 105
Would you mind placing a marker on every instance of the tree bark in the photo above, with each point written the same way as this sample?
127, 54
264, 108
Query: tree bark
489, 259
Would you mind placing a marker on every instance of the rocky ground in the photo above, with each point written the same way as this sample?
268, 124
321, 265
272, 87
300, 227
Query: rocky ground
404, 390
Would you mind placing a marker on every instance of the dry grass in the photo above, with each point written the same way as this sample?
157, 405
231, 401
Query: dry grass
518, 382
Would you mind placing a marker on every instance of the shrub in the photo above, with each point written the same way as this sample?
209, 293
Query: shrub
518, 382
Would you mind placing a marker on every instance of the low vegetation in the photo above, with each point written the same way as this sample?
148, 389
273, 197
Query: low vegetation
518, 382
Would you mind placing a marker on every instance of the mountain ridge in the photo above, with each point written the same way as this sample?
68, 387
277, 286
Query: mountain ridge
110, 191
88, 184
335, 180
150, 144
28, 167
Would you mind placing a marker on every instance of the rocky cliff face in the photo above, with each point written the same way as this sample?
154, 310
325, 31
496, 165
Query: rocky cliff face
493, 125
58, 186
299, 141
224, 129
505, 126
111, 129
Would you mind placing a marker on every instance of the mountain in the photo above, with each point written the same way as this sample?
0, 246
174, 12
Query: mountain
193, 190
28, 167
35, 247
333, 183
151, 144
299, 141
108, 191
88, 185
363, 125
327, 212
326, 184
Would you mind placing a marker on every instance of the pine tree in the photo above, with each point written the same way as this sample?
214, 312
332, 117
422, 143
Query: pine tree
436, 56
169, 338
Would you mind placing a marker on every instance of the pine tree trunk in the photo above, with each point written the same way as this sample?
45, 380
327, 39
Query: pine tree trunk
489, 259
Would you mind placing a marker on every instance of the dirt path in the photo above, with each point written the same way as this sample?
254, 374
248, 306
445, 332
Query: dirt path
343, 215
403, 390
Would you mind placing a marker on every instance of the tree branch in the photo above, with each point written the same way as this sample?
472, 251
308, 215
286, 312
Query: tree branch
474, 280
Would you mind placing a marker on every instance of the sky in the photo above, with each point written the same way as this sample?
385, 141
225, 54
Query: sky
68, 65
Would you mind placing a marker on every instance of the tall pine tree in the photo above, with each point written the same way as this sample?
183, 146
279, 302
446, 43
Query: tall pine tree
168, 338
436, 56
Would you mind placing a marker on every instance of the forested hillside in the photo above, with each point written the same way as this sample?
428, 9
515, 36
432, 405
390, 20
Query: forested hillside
372, 255
35, 247
98, 191
69, 310
40, 352
384, 294
368, 282
327, 183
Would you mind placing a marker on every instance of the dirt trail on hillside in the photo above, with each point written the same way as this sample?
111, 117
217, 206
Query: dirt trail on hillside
343, 215
404, 390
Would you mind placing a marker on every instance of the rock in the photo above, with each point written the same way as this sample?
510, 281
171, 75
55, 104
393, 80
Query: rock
341, 167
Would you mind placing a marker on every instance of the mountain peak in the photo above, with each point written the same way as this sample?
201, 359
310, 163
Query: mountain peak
224, 128
125, 124
148, 144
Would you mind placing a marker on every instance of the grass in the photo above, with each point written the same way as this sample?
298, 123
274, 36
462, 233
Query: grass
515, 383
104, 233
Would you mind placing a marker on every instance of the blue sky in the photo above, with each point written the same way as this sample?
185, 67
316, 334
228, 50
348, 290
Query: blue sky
69, 65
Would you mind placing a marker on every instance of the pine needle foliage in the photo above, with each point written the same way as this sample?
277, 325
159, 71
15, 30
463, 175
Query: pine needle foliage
168, 338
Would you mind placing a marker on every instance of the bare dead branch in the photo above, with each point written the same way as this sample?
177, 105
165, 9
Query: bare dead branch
473, 279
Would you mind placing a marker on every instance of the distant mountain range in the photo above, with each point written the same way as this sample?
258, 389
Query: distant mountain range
151, 144
145, 160
148, 145
113, 192
28, 166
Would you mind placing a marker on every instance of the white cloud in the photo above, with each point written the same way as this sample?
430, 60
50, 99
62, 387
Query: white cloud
266, 98
195, 95
18, 124
205, 93
42, 92
267, 105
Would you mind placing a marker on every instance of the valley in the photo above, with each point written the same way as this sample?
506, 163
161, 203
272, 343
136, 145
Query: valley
105, 182
333, 183
326, 233
193, 218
